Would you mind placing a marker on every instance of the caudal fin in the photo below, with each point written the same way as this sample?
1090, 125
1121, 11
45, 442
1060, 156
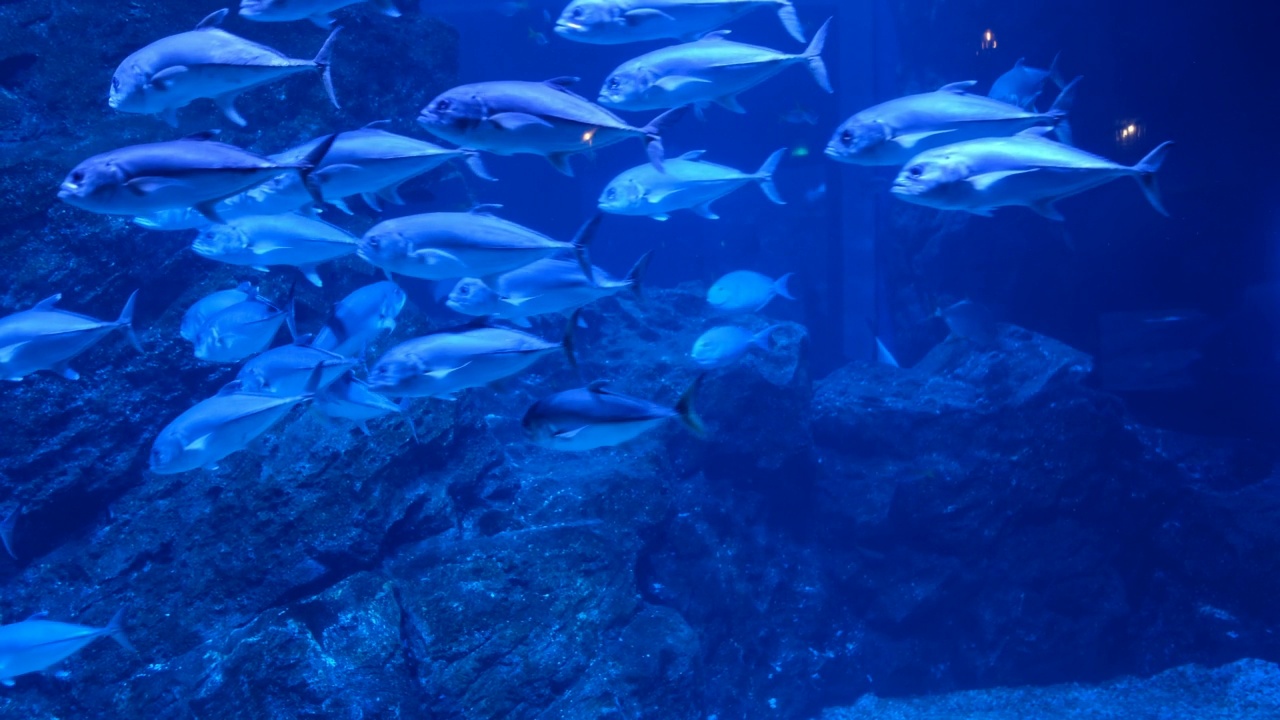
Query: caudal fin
764, 176
688, 414
324, 61
780, 286
582, 240
1061, 108
570, 335
125, 321
653, 134
635, 278
115, 629
307, 168
1055, 72
813, 55
790, 20
1146, 171
764, 338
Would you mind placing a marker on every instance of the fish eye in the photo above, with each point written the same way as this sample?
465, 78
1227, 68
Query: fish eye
613, 83
613, 193
464, 290
577, 13
846, 137
115, 83
443, 106
77, 176
373, 243
916, 171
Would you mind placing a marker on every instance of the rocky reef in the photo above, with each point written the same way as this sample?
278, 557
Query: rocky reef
983, 518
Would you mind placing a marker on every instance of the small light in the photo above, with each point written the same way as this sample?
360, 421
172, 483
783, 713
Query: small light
589, 135
988, 40
1128, 131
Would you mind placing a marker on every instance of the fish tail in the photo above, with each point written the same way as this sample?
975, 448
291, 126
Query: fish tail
115, 629
408, 418
653, 134
476, 166
790, 20
780, 286
688, 414
764, 176
125, 321
635, 278
1055, 72
764, 338
570, 329
324, 61
582, 240
309, 164
813, 55
1060, 110
1146, 170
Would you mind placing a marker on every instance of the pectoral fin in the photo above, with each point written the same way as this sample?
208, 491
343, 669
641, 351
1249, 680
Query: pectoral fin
569, 434
661, 217
147, 185
432, 256
910, 140
311, 274
635, 17
984, 181
1046, 208
560, 161
65, 371
517, 121
165, 79
8, 352
704, 210
200, 444
445, 372
675, 83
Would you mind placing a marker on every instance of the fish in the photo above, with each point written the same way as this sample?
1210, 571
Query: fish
207, 62
535, 118
36, 644
372, 163
689, 183
613, 22
884, 356
360, 317
1023, 84
893, 132
547, 286
287, 369
594, 417
352, 399
446, 362
709, 70
281, 194
317, 11
451, 245
45, 337
1026, 170
971, 321
744, 291
221, 425
291, 239
242, 330
724, 345
194, 172
197, 316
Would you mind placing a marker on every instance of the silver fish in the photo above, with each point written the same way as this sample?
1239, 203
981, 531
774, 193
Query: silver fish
612, 22
360, 317
197, 316
352, 399
971, 321
46, 338
287, 369
1023, 84
543, 287
745, 291
241, 330
207, 62
444, 246
281, 194
292, 239
711, 69
36, 644
1026, 170
444, 363
892, 132
219, 426
689, 183
546, 118
373, 163
317, 11
595, 417
724, 345
195, 172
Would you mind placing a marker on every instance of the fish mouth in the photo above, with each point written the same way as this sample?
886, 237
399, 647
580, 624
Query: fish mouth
565, 27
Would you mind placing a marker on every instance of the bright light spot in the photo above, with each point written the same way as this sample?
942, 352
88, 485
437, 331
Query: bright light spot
589, 135
988, 40
1128, 131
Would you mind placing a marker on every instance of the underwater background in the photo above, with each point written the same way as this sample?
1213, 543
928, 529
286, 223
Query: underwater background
1077, 517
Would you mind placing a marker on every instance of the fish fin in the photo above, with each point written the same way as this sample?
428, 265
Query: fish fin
391, 194
661, 217
520, 322
1040, 131
563, 82
170, 116
209, 211
1061, 108
65, 371
764, 338
341, 205
704, 210
115, 629
329, 173
433, 256
149, 184
688, 414
570, 349
813, 55
635, 277
161, 80
730, 103
213, 20
598, 387
48, 303
653, 134
959, 88
1146, 177
311, 163
37, 615
386, 7
371, 200
1055, 72
227, 103
674, 83
324, 61
780, 286
324, 21
765, 176
202, 442
445, 372
7, 527
261, 268
312, 276
984, 181
484, 208
582, 240
570, 434
513, 121
560, 161
910, 140
790, 20
476, 166
637, 16
1045, 207
364, 428
7, 682
125, 321
692, 155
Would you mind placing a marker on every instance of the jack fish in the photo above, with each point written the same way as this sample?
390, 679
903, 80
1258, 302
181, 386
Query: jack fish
359, 318
261, 241
689, 183
36, 644
546, 286
612, 22
46, 338
317, 11
595, 417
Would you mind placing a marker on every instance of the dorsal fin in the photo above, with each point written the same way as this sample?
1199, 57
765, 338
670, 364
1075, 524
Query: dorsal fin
484, 208
958, 88
231, 388
692, 155
375, 124
213, 20
562, 82
48, 303
598, 387
715, 35
203, 135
